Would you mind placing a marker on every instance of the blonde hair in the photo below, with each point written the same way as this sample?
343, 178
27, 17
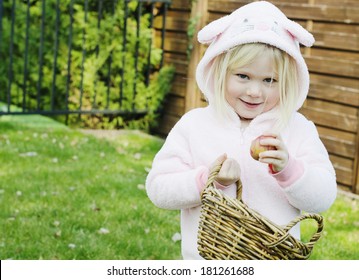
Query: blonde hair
240, 56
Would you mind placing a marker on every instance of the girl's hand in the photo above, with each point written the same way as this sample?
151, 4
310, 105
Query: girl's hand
229, 172
277, 159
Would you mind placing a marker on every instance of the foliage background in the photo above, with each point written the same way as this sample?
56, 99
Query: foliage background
79, 65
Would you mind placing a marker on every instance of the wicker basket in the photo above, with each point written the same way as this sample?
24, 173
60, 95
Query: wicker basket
230, 230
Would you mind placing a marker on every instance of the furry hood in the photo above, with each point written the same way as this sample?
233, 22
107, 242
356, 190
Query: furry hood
257, 22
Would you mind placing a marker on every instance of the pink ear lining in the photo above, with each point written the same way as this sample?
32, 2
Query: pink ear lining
299, 33
213, 29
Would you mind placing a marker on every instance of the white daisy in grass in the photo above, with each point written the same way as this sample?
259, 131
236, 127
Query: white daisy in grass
176, 237
137, 156
103, 231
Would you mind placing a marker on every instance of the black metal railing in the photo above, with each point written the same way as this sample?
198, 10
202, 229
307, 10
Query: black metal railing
79, 57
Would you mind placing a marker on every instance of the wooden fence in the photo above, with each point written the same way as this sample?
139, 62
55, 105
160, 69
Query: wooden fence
333, 102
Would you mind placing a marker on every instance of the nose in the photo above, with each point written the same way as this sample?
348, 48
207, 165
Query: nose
254, 90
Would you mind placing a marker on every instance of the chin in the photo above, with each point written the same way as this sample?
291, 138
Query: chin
247, 117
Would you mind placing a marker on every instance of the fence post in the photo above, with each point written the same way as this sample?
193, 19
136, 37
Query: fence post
199, 12
356, 163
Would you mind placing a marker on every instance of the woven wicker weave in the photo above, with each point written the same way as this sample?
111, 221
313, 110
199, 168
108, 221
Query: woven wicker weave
230, 230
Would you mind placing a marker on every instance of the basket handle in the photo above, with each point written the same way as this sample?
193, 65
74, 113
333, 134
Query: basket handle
212, 176
320, 222
318, 218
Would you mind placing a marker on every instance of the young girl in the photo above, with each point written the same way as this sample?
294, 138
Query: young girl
255, 79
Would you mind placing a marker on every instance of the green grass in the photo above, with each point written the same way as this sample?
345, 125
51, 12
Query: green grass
69, 195
340, 239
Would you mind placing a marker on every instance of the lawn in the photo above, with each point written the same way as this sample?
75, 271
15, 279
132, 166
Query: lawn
66, 194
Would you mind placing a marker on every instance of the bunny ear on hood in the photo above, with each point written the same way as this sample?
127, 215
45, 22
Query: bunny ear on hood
299, 33
257, 22
213, 29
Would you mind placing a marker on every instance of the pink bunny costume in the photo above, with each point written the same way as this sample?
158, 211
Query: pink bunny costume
180, 169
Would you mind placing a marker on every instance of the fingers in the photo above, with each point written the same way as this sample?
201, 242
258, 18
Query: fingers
277, 158
229, 172
216, 165
230, 165
220, 159
271, 134
271, 139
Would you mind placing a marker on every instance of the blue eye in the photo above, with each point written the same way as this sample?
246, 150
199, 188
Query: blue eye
243, 76
270, 80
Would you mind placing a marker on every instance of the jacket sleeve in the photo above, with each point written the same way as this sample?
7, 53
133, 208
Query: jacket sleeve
315, 191
171, 182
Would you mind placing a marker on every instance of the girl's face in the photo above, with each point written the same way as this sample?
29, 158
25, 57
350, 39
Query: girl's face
253, 89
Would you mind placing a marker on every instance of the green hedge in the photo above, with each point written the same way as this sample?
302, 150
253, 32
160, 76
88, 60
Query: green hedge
97, 59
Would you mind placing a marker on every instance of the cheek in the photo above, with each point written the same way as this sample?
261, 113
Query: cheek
233, 90
272, 99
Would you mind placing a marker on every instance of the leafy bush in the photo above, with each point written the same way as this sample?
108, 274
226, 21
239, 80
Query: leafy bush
78, 62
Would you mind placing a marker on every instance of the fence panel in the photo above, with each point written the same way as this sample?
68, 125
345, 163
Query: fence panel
79, 57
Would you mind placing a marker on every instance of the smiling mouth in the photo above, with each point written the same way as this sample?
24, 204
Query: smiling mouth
249, 104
